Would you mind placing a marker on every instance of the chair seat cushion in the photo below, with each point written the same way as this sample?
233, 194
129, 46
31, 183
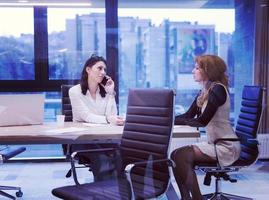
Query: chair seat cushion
238, 163
101, 190
109, 189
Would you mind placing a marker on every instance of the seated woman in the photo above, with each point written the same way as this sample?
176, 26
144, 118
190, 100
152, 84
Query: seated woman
93, 101
210, 109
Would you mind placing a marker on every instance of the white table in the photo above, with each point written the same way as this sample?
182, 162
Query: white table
73, 133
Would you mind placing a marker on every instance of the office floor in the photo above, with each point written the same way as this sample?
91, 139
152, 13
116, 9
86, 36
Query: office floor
38, 179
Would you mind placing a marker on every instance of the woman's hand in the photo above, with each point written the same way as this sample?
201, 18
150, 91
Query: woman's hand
109, 86
116, 120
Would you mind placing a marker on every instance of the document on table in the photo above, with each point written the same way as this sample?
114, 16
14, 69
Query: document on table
93, 124
65, 130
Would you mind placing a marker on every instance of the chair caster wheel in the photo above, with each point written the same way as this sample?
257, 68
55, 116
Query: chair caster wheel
19, 193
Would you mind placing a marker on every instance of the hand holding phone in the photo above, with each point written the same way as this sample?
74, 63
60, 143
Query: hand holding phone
108, 84
104, 81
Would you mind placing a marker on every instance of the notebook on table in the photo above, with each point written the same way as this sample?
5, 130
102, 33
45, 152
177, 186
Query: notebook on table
21, 109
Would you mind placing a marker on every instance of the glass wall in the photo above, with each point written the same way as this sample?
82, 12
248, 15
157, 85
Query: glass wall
16, 44
157, 47
73, 34
157, 42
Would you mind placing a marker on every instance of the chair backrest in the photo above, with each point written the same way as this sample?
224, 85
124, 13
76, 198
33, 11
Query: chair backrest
147, 132
66, 104
248, 123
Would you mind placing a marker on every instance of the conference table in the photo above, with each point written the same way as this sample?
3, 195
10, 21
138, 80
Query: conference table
73, 133
78, 133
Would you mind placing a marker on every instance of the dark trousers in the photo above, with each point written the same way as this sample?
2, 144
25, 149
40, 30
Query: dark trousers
103, 166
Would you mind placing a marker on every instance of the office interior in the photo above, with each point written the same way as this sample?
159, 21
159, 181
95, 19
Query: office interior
147, 44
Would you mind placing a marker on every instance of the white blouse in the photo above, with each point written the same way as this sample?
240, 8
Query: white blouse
87, 109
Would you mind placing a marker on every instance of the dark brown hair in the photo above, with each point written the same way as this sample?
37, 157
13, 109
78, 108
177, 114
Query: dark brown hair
84, 75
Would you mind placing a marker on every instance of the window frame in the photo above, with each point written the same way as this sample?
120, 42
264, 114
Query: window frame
42, 82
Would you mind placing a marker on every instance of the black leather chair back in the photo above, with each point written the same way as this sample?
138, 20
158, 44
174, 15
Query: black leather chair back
66, 104
146, 138
248, 122
146, 135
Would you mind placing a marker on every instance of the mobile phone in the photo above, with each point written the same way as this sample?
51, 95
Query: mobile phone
104, 81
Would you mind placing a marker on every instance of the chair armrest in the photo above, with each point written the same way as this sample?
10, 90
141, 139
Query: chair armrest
170, 163
95, 151
130, 167
10, 152
98, 150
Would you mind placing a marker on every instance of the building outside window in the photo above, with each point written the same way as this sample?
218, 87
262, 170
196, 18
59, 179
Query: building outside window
157, 48
157, 44
73, 35
16, 44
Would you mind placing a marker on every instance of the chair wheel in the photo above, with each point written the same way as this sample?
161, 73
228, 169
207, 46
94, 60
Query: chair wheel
19, 193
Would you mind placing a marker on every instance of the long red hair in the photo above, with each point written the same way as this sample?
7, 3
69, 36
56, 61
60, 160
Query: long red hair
214, 70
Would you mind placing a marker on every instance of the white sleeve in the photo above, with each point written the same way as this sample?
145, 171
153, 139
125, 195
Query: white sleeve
81, 112
111, 108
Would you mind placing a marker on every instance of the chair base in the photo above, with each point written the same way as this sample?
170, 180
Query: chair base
18, 193
224, 196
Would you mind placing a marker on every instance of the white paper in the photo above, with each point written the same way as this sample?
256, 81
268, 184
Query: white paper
66, 130
93, 124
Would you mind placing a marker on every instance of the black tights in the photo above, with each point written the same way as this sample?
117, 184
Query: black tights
185, 158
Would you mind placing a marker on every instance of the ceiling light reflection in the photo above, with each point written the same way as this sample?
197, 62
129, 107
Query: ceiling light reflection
25, 3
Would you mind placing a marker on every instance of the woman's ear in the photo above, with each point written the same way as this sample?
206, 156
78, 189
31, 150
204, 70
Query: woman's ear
88, 69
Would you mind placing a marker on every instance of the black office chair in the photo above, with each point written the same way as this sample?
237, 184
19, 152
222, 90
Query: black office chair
246, 130
7, 152
66, 104
67, 111
141, 167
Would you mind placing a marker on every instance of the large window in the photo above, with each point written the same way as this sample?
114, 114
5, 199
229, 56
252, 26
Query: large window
16, 44
73, 35
157, 47
154, 44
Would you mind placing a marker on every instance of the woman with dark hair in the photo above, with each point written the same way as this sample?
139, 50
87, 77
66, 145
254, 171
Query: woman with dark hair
93, 100
210, 109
